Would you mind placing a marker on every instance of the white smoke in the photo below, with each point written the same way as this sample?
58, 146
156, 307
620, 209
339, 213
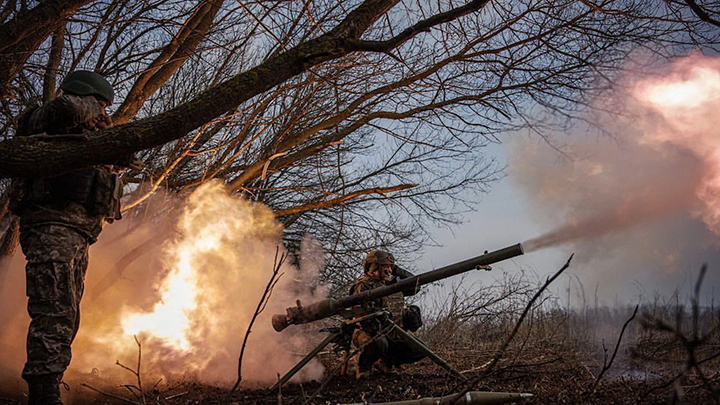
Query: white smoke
188, 296
640, 208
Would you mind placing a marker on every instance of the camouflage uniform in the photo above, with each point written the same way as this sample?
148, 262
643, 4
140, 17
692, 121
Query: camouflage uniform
60, 217
57, 258
388, 350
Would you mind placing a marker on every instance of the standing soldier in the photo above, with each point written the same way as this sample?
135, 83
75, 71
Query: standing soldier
377, 347
60, 216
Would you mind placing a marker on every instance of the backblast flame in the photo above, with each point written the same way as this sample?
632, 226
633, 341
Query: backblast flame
213, 277
169, 319
206, 262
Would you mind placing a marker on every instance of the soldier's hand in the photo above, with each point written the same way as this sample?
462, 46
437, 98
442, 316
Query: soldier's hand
102, 121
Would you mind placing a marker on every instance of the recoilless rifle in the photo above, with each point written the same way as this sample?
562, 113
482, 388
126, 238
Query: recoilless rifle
300, 314
407, 285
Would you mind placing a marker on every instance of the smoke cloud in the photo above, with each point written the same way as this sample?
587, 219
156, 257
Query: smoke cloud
186, 285
642, 207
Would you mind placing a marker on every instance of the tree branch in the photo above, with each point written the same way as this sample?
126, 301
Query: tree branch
341, 200
421, 26
51, 70
22, 35
702, 14
33, 157
182, 46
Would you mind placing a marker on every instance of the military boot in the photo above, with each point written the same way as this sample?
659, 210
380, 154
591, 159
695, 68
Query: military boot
44, 390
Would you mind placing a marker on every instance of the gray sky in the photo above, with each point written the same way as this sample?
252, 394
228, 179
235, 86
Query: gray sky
504, 218
626, 265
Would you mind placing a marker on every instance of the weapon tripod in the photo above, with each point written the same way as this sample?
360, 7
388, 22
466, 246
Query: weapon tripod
340, 336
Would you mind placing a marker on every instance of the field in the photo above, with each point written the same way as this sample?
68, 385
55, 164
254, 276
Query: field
513, 336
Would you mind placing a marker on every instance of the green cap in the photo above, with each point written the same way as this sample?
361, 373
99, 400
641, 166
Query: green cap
87, 83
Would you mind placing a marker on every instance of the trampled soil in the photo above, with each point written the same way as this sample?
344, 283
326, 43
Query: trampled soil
553, 378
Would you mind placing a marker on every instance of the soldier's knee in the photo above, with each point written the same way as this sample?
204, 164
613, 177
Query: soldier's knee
50, 281
382, 345
360, 338
54, 309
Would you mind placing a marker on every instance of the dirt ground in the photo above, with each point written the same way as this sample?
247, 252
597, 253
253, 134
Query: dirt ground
552, 377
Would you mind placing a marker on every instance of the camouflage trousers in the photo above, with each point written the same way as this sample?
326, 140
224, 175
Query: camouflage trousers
57, 259
391, 350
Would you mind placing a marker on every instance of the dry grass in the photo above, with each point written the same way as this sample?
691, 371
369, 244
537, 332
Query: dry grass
669, 354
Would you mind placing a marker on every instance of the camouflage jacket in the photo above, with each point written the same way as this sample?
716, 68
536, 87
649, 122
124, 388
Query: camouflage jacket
67, 114
368, 283
393, 303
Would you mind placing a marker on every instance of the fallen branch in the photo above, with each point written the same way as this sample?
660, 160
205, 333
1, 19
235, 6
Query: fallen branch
176, 395
109, 394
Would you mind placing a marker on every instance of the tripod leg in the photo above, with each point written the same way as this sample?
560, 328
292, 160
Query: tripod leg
304, 361
417, 344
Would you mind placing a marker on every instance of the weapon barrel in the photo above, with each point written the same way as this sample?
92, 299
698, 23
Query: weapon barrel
414, 283
329, 307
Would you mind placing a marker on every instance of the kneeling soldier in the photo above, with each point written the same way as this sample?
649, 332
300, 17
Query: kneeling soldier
376, 344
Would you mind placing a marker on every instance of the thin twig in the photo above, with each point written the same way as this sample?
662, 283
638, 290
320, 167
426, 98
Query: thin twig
606, 364
140, 394
176, 395
260, 307
139, 362
510, 338
110, 395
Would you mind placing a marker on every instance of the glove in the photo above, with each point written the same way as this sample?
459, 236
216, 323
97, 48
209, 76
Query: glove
411, 318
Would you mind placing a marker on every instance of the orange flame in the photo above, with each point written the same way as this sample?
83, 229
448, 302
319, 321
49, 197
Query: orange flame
169, 318
215, 273
211, 228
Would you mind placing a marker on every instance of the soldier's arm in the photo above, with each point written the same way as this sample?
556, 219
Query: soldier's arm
401, 274
67, 114
367, 306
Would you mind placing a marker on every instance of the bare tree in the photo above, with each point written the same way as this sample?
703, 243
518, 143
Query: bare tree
363, 121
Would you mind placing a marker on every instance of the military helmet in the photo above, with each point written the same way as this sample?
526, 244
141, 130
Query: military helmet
377, 257
87, 83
